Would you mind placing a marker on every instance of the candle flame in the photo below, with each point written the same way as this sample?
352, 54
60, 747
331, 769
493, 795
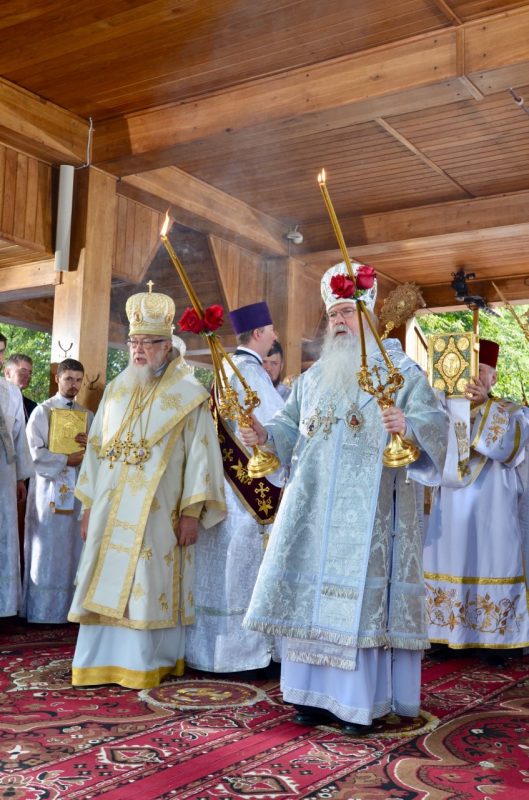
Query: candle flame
165, 226
321, 177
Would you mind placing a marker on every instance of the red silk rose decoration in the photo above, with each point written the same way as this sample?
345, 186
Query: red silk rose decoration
342, 286
191, 322
213, 317
365, 277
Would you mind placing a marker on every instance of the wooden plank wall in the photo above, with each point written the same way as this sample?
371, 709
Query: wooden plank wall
137, 239
243, 274
25, 200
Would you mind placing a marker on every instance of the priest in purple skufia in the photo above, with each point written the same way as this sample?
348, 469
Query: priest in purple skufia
227, 562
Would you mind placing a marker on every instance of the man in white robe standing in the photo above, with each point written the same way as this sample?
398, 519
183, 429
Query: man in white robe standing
52, 542
15, 468
151, 484
342, 577
475, 570
228, 562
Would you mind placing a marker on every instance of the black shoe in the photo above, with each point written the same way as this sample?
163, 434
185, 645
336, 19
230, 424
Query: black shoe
311, 716
353, 729
493, 658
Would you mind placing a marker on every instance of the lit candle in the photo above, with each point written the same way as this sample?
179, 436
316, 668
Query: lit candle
197, 305
335, 224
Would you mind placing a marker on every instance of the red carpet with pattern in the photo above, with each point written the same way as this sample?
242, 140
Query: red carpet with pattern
198, 737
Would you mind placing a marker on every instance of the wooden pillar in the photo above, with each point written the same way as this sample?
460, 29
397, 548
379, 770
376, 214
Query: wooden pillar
82, 300
286, 298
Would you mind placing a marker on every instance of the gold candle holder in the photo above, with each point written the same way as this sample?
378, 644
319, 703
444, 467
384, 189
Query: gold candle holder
400, 451
261, 462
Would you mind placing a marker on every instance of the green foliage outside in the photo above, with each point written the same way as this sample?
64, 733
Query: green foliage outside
513, 363
37, 345
204, 376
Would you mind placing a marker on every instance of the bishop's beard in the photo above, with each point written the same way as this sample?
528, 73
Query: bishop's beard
138, 374
341, 356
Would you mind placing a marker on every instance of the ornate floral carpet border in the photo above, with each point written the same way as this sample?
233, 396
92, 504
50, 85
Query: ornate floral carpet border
200, 738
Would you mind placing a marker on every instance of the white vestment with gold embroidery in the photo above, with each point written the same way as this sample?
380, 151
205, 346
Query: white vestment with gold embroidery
132, 573
476, 580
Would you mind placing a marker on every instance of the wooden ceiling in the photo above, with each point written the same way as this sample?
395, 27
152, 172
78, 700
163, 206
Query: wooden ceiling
226, 110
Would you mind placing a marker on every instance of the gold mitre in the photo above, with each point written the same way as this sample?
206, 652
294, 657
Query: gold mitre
150, 313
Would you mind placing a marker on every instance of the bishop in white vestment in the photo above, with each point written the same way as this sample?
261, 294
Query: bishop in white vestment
475, 570
150, 484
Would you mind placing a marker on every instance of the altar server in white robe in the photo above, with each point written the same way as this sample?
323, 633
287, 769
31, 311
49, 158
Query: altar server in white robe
228, 562
52, 535
342, 578
15, 468
476, 574
150, 484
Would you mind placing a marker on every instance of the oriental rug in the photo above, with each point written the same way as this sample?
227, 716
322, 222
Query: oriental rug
203, 737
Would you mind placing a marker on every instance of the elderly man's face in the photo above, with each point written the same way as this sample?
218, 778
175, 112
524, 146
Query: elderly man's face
19, 374
343, 314
149, 351
272, 365
487, 376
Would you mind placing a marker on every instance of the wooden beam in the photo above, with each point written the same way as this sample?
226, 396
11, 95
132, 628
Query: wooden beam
394, 133
82, 301
35, 314
449, 13
441, 296
437, 68
36, 279
414, 229
443, 219
496, 52
345, 81
412, 247
41, 128
207, 209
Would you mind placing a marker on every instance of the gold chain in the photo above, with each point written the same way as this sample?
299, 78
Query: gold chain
136, 453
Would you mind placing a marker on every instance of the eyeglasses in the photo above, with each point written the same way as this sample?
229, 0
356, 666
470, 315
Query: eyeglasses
147, 344
344, 312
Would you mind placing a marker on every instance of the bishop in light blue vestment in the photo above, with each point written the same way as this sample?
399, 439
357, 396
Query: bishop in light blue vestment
342, 577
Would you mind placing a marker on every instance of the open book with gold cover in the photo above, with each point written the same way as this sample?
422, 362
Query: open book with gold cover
65, 424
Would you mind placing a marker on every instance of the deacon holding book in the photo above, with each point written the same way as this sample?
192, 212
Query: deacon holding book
228, 562
475, 569
150, 484
57, 435
341, 579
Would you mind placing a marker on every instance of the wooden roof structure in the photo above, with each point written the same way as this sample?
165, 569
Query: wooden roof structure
225, 111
